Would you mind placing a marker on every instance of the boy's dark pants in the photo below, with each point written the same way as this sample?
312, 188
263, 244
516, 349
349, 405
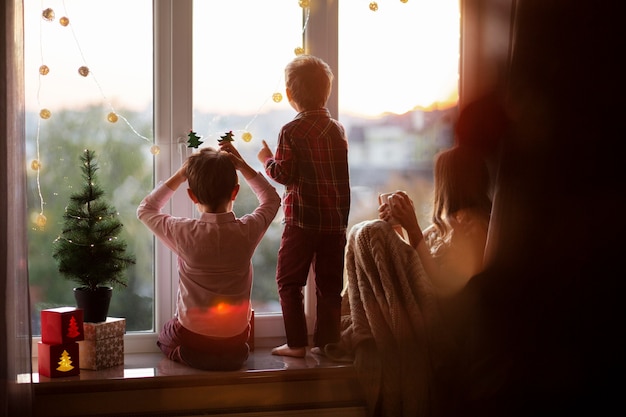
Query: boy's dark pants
299, 249
203, 352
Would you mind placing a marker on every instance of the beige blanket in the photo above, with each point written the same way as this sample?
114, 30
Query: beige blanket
390, 323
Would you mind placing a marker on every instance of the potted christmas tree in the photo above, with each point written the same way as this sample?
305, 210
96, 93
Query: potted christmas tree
88, 251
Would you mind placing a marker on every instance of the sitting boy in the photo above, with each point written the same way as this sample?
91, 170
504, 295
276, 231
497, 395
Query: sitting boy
211, 325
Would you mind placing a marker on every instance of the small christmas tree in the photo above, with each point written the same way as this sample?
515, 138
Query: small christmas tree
89, 251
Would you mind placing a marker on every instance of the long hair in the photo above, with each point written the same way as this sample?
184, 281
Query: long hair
462, 182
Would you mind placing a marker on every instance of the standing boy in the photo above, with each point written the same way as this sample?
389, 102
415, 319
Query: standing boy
311, 160
211, 326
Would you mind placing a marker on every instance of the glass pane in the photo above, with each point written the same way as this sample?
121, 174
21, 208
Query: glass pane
106, 107
240, 49
398, 94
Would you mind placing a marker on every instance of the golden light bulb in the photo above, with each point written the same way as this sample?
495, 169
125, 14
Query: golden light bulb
44, 70
404, 1
35, 165
41, 220
45, 113
304, 3
155, 150
246, 136
64, 21
277, 97
48, 14
112, 117
373, 6
298, 51
84, 71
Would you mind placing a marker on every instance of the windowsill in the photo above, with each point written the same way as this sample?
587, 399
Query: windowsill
156, 365
150, 384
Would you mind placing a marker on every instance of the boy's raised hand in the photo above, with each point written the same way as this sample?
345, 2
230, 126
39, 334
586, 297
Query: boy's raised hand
265, 153
233, 153
238, 161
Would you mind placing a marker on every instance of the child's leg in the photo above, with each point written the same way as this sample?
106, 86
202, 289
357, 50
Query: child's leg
294, 260
170, 339
329, 266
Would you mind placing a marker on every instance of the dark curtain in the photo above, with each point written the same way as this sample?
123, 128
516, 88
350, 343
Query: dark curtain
547, 334
15, 338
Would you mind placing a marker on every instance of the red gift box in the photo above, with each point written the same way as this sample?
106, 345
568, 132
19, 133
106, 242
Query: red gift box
58, 360
62, 325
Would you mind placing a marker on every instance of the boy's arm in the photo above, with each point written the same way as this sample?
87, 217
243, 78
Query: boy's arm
269, 200
265, 153
240, 164
177, 178
280, 166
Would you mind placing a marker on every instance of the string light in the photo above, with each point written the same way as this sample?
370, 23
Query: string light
84, 71
45, 114
48, 15
112, 117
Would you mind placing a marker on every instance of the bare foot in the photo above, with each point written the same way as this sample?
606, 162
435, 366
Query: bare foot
285, 350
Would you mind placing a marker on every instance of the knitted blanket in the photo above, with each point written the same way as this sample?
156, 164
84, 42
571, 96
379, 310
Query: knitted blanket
390, 322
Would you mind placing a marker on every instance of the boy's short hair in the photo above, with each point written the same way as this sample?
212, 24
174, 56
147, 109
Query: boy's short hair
309, 80
211, 176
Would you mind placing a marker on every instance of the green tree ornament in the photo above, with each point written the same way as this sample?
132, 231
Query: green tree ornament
194, 140
89, 251
228, 137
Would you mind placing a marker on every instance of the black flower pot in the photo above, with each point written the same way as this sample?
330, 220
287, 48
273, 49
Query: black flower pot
95, 304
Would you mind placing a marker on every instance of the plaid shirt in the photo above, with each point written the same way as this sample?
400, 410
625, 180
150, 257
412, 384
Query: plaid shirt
311, 161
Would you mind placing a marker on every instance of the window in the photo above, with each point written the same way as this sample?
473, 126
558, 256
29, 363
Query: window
398, 94
79, 70
216, 66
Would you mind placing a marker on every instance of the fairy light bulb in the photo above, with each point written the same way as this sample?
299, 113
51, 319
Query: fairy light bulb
304, 3
84, 71
298, 51
64, 21
48, 15
246, 136
112, 117
44, 70
41, 220
373, 6
404, 1
277, 97
35, 165
155, 150
45, 114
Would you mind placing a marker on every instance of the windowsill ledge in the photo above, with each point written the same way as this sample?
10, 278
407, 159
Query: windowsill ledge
151, 385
